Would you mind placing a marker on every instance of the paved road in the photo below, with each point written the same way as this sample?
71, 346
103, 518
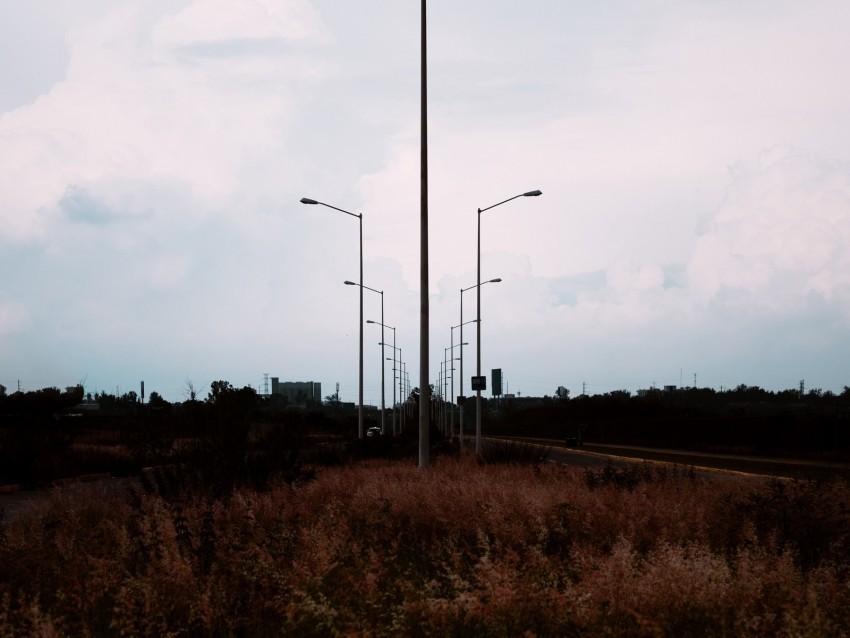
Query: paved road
557, 452
598, 454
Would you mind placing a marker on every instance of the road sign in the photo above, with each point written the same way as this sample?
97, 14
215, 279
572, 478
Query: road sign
479, 383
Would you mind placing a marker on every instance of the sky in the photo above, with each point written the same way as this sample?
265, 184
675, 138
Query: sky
694, 158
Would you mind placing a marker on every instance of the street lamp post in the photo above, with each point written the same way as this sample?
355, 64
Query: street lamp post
402, 398
448, 365
399, 362
452, 393
448, 368
380, 292
535, 193
395, 403
405, 393
439, 390
307, 200
461, 325
382, 369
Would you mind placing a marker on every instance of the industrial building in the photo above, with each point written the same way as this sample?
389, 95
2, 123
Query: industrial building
298, 391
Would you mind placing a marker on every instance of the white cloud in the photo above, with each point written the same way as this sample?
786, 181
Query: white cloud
130, 111
219, 21
781, 232
149, 198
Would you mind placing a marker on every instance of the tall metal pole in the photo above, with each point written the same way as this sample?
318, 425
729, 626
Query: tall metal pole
383, 344
452, 393
392, 410
535, 193
446, 388
424, 396
313, 202
383, 359
402, 396
360, 411
438, 387
395, 405
460, 427
478, 347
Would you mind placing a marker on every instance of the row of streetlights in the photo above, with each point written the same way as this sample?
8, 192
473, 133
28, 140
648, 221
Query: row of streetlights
362, 286
461, 343
477, 320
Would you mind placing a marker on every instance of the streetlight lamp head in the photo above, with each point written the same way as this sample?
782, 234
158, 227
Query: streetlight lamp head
496, 280
349, 283
528, 194
307, 200
369, 320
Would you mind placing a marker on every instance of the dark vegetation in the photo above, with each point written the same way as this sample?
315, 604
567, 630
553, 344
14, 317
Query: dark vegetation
742, 420
234, 436
382, 548
245, 517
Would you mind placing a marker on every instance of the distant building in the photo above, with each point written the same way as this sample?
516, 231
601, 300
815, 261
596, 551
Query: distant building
298, 391
647, 392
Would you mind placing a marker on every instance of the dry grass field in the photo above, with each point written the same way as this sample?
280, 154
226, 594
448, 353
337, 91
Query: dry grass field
381, 548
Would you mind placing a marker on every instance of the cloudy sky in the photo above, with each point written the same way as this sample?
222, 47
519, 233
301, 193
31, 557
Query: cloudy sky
694, 158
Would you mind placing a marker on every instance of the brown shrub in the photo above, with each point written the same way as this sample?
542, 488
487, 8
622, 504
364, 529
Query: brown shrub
457, 549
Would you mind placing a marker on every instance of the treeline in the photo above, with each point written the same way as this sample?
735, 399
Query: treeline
745, 420
234, 432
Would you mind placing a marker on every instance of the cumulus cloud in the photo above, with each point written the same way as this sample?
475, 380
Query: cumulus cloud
767, 288
212, 22
151, 195
781, 233
132, 110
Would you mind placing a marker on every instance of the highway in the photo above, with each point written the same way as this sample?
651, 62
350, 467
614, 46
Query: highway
594, 454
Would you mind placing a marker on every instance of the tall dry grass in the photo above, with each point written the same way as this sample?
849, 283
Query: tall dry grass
463, 548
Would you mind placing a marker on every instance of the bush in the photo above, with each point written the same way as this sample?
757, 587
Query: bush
631, 475
461, 548
513, 453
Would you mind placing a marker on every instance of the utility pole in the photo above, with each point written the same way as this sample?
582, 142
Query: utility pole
424, 390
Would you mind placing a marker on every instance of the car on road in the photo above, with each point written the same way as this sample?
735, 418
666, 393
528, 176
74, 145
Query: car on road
373, 431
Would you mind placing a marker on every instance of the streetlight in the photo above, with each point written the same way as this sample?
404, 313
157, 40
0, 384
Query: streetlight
395, 404
402, 398
461, 325
380, 292
452, 394
403, 390
307, 200
536, 193
406, 380
439, 390
382, 344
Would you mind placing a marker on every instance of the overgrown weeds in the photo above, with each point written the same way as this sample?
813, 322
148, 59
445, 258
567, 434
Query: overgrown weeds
629, 476
463, 548
513, 453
